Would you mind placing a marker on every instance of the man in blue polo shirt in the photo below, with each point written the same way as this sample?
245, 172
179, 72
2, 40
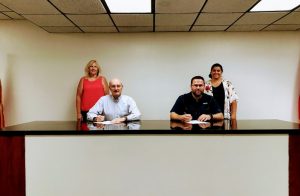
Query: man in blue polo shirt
196, 105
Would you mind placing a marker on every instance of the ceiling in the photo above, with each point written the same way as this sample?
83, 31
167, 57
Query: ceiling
93, 16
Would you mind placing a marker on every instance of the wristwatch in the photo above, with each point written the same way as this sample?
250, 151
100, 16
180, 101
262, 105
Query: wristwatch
211, 117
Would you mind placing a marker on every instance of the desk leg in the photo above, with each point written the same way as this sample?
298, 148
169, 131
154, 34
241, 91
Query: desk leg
294, 165
12, 166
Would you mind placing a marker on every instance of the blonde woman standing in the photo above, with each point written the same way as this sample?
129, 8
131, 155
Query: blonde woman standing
91, 87
223, 91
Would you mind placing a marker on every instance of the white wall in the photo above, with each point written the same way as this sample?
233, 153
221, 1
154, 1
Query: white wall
40, 71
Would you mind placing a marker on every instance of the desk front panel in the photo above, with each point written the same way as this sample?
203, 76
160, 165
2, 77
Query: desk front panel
157, 165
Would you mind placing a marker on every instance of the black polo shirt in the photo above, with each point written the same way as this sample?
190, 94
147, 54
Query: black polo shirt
187, 104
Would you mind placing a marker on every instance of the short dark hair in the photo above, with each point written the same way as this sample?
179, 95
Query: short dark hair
197, 78
213, 66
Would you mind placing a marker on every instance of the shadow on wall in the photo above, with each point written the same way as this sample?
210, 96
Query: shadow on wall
10, 108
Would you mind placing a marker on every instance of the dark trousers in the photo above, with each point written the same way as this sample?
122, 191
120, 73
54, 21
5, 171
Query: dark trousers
84, 116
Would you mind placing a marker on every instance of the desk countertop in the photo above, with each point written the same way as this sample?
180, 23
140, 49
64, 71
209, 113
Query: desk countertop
153, 127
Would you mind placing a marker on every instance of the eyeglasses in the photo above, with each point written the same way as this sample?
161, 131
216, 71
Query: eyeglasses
116, 86
197, 85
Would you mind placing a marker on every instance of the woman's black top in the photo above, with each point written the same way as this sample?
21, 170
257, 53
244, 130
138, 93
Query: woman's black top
219, 95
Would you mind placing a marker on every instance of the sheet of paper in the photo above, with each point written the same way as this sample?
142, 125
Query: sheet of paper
197, 122
104, 122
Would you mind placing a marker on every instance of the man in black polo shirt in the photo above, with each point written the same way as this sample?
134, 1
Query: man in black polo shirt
196, 105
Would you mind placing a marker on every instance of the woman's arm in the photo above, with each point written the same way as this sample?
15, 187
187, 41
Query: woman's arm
233, 109
105, 85
78, 99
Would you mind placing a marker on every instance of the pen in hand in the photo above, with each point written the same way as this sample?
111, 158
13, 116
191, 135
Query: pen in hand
98, 118
186, 117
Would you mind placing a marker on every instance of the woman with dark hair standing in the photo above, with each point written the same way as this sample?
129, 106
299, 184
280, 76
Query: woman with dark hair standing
2, 123
91, 87
223, 91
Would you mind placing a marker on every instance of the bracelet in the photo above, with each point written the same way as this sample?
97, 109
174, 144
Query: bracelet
211, 117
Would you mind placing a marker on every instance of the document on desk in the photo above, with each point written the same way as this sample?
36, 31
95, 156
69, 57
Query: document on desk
104, 122
197, 122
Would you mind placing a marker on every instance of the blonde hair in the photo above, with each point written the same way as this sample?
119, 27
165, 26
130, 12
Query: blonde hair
90, 63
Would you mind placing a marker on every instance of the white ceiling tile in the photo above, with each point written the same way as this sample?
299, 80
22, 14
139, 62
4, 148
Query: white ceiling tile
30, 6
228, 5
14, 15
99, 29
209, 28
246, 27
62, 29
49, 20
91, 20
133, 19
135, 29
174, 19
282, 28
3, 8
172, 28
217, 19
178, 6
4, 17
79, 6
171, 16
292, 18
260, 17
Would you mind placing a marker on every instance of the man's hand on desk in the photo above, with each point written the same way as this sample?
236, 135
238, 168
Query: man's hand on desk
204, 117
185, 117
118, 120
99, 118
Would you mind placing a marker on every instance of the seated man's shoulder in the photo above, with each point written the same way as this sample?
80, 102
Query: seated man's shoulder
105, 97
127, 97
186, 95
206, 96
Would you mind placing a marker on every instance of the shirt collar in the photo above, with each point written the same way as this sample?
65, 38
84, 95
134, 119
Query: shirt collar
116, 99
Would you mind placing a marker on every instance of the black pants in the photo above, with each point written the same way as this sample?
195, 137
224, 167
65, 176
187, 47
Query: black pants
84, 116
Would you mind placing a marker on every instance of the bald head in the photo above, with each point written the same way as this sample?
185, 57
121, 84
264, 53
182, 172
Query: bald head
115, 81
115, 87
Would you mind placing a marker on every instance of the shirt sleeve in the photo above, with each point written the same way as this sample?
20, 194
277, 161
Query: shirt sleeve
134, 112
178, 107
232, 93
96, 110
